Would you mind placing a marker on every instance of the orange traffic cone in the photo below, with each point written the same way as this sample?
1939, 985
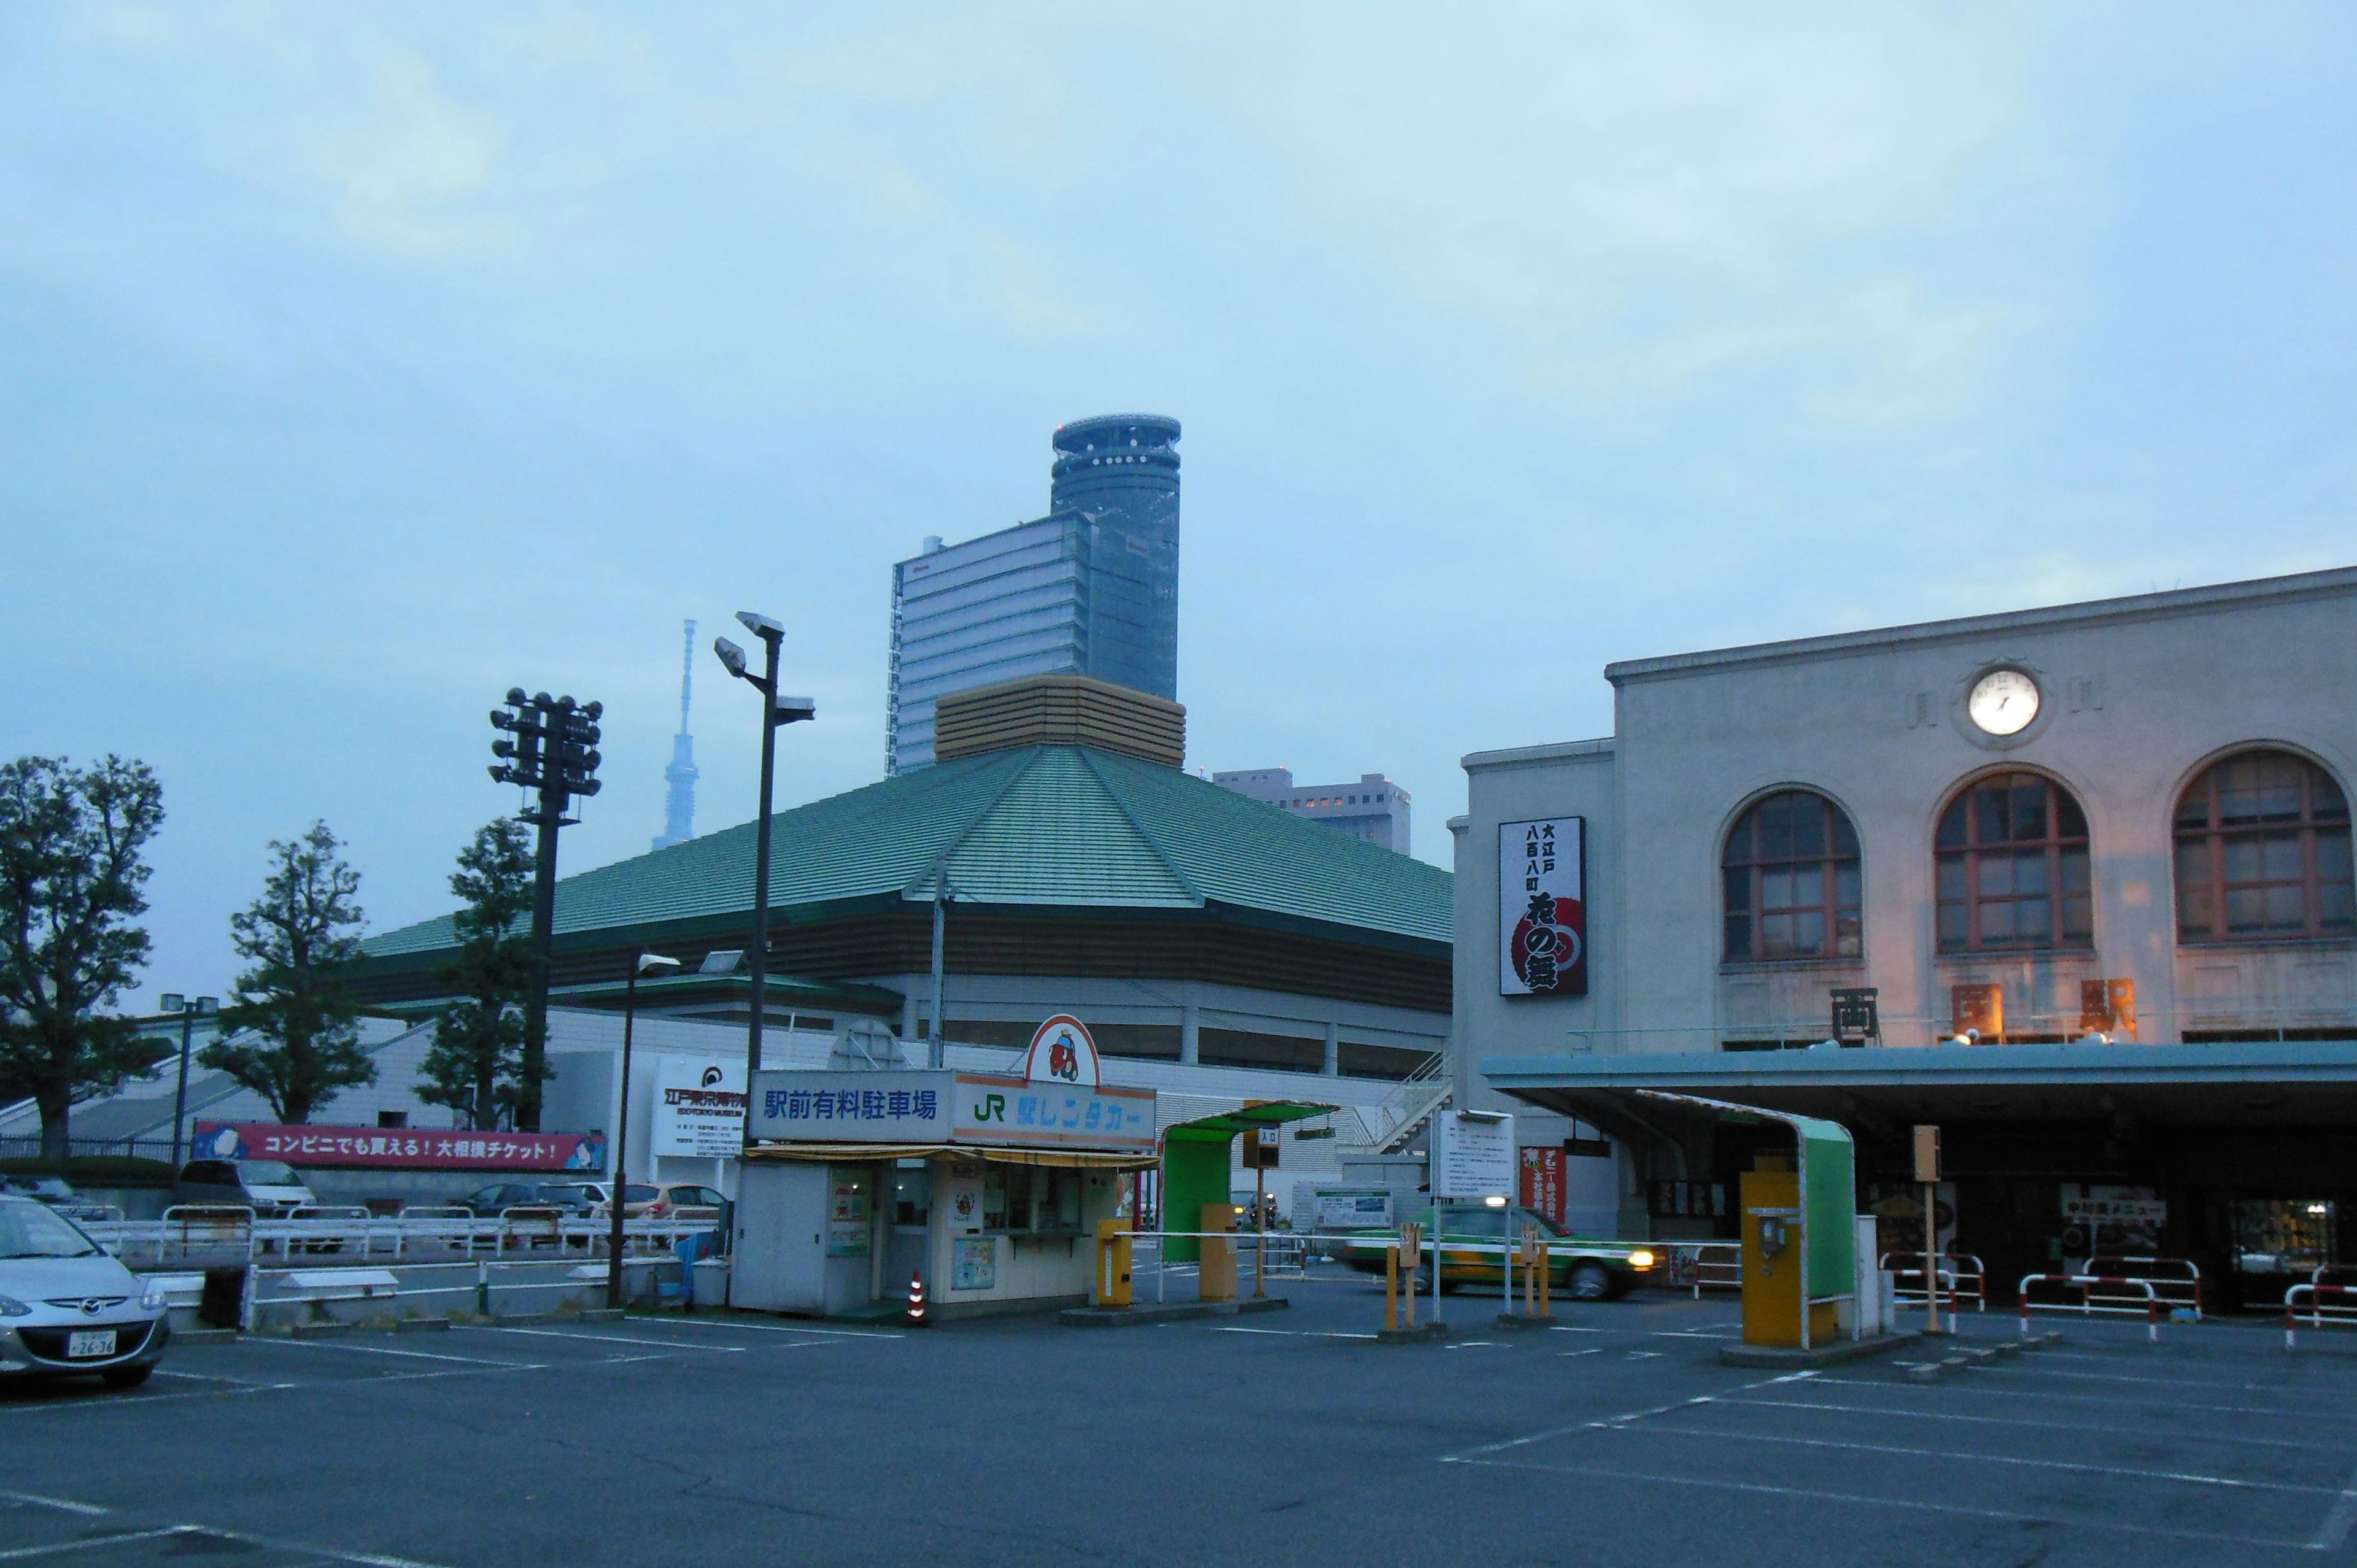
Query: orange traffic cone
916, 1299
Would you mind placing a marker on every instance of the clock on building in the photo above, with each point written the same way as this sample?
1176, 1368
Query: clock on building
2003, 701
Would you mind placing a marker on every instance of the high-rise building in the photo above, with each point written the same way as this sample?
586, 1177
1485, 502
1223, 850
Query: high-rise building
678, 803
1090, 589
1373, 808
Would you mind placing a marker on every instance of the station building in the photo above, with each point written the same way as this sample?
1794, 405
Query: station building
2076, 881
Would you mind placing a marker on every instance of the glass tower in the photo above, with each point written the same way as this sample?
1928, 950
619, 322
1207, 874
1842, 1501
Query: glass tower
1090, 589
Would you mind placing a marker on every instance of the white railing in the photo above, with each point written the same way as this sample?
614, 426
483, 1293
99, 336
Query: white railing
1409, 1105
189, 1232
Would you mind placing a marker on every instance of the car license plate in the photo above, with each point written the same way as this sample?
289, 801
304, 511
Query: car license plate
88, 1343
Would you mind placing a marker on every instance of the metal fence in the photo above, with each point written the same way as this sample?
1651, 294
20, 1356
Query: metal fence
28, 1147
228, 1234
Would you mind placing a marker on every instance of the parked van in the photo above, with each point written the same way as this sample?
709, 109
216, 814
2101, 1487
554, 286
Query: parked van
269, 1188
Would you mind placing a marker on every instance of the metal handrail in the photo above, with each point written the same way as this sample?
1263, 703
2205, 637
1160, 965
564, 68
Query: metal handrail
2086, 1285
1962, 1277
2326, 1305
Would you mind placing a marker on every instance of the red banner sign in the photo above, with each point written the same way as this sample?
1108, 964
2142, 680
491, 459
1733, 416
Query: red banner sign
400, 1148
1542, 1182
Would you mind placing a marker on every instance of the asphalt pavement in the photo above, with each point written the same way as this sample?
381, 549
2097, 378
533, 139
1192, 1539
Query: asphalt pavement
1293, 1437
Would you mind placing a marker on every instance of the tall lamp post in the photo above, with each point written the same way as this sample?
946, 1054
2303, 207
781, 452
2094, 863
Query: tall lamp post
778, 711
646, 962
189, 1012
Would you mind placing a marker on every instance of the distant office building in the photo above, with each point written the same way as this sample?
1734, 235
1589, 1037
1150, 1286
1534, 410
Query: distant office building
1375, 808
1090, 589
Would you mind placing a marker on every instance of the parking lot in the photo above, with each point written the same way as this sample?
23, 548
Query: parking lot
1290, 1437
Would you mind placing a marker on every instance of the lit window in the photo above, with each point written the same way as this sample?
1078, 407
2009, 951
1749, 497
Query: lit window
2263, 852
1790, 876
2011, 862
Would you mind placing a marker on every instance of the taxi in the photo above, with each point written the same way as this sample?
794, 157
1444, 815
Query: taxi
1473, 1246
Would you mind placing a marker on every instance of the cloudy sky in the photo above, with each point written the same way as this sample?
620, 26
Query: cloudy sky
357, 363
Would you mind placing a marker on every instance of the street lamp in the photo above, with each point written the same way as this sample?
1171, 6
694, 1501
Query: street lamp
646, 962
189, 1012
779, 711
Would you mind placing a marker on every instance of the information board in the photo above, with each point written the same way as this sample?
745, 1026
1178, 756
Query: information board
1473, 1156
699, 1107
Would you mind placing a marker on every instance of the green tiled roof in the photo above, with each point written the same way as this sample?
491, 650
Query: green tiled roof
1060, 826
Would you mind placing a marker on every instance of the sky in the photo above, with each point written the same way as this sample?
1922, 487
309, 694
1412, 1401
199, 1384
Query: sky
360, 362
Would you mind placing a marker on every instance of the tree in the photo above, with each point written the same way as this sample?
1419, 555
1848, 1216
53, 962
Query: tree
71, 877
477, 1057
288, 1033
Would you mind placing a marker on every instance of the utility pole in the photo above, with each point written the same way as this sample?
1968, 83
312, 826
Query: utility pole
554, 752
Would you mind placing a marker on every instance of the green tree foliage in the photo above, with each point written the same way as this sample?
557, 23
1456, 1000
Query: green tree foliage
476, 1058
71, 873
288, 1033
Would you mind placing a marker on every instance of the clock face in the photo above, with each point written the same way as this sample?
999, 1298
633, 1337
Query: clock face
2003, 701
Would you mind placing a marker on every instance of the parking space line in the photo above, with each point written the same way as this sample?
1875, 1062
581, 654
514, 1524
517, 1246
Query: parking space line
413, 1355
1466, 1457
621, 1340
1298, 1333
2100, 1399
767, 1327
2156, 1382
18, 1554
64, 1505
1913, 1505
209, 1378
2305, 1446
2338, 1520
2190, 1477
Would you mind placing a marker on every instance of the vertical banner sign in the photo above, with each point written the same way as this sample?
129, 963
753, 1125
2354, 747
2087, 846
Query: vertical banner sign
1541, 908
1543, 1183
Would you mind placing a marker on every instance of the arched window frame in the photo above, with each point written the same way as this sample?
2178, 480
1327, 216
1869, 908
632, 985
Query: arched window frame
1792, 898
2271, 866
1999, 886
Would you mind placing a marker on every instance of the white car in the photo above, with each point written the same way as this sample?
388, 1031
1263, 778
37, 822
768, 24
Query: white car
66, 1305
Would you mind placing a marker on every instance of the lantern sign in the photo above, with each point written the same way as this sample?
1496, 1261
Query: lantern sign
1542, 907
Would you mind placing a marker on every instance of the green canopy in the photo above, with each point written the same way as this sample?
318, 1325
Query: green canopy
1195, 1164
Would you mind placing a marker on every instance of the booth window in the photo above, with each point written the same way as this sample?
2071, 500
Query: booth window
912, 1192
2013, 868
1031, 1199
1791, 878
2262, 852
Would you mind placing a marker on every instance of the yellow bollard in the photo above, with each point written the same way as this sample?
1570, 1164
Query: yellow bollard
1411, 1248
1113, 1246
1390, 1287
1217, 1280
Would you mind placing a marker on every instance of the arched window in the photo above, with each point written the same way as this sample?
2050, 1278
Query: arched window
2012, 867
2263, 852
1792, 883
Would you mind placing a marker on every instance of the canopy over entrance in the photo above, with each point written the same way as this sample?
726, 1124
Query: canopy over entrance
1195, 1162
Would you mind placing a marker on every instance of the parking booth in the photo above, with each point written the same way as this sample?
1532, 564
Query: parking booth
988, 1187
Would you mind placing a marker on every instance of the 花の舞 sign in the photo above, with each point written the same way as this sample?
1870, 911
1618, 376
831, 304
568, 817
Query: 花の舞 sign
403, 1148
1541, 908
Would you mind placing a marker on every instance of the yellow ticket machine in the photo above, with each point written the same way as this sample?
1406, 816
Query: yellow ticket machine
1775, 1276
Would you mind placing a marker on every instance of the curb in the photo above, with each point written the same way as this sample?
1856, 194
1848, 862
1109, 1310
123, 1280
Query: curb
1975, 1356
1777, 1359
1523, 1320
526, 1319
1173, 1311
204, 1336
1423, 1333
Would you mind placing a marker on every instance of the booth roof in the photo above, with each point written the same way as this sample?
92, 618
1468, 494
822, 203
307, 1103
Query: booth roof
1044, 826
843, 1153
1228, 1124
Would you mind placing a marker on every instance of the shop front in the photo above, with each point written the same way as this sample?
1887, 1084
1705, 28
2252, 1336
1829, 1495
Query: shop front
988, 1187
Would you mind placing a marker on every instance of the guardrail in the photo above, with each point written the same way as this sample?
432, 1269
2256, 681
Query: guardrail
2113, 1288
1706, 1265
1962, 1277
2326, 1305
187, 1232
2176, 1281
314, 1294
